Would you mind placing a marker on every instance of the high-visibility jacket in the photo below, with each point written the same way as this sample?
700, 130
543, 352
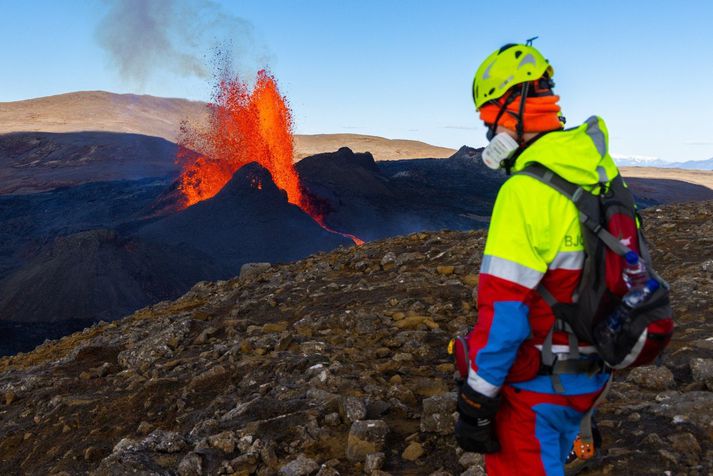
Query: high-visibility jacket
535, 238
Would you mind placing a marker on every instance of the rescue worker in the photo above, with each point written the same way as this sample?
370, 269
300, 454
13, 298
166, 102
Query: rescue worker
522, 414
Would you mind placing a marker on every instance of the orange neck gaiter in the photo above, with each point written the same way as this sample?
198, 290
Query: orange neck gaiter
541, 114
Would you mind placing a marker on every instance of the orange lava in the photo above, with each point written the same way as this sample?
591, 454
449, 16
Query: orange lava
246, 125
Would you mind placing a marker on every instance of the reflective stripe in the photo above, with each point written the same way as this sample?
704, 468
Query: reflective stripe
510, 271
480, 385
528, 59
603, 178
486, 73
635, 351
572, 260
505, 83
595, 133
562, 350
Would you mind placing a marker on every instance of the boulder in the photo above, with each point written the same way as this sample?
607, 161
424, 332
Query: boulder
365, 437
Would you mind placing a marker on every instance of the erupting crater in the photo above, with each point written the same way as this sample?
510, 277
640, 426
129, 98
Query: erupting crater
245, 125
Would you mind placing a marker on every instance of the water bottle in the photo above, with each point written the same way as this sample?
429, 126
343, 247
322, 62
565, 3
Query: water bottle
632, 299
635, 274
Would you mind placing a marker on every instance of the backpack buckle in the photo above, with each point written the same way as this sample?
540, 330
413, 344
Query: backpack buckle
546, 369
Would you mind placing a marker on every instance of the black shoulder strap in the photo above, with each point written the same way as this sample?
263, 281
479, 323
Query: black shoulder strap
586, 203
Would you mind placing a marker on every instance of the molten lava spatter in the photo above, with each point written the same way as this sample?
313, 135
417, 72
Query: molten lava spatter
245, 126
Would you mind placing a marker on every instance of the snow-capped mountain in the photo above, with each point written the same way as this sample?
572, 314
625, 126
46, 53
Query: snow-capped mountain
644, 161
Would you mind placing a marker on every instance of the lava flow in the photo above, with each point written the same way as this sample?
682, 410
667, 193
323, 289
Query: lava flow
244, 126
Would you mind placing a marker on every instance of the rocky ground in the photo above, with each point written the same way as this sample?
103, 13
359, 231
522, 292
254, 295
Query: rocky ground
335, 364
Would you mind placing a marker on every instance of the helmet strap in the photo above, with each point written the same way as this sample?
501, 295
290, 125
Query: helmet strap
508, 164
521, 112
493, 127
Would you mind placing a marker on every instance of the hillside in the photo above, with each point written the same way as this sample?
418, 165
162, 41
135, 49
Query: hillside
380, 148
698, 177
162, 117
101, 111
321, 362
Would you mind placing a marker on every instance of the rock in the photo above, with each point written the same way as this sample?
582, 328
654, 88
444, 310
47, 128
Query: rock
155, 346
245, 444
405, 258
413, 451
332, 419
374, 462
366, 436
474, 471
469, 460
692, 407
667, 455
437, 414
353, 409
653, 440
267, 454
191, 465
92, 453
164, 442
388, 261
429, 387
702, 371
224, 441
251, 270
256, 374
652, 377
127, 457
101, 371
206, 378
144, 428
274, 327
707, 266
411, 322
445, 270
302, 466
244, 464
398, 315
327, 471
687, 446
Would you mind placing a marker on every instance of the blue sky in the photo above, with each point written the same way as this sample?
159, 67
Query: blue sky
403, 69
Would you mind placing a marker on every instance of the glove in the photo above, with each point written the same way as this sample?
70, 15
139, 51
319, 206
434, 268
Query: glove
475, 429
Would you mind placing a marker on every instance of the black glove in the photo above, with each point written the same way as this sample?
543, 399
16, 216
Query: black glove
475, 430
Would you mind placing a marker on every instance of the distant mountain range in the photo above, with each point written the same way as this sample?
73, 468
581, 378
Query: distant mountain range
639, 161
101, 111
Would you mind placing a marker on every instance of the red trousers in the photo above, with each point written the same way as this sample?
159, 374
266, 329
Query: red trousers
536, 431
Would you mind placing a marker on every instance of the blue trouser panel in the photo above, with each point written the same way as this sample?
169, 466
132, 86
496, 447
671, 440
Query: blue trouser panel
556, 427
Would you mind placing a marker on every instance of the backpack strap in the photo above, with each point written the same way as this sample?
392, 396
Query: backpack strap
585, 425
550, 365
583, 200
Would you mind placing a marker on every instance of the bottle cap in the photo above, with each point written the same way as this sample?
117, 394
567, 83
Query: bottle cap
631, 257
652, 284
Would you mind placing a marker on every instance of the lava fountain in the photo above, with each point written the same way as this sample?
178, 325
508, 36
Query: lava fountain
245, 125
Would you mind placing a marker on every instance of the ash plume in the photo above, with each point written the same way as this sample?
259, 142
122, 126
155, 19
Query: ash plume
143, 37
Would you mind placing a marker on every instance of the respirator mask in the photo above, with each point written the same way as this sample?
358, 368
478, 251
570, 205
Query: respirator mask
502, 146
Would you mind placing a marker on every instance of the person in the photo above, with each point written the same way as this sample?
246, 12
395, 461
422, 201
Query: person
522, 414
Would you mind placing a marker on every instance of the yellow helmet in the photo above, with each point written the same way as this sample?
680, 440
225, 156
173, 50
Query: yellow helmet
510, 65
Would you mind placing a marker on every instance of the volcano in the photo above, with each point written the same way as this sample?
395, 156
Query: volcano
250, 219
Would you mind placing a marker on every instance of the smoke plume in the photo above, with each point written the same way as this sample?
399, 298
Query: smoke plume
145, 37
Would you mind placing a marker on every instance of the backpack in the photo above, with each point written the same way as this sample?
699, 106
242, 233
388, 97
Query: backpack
609, 229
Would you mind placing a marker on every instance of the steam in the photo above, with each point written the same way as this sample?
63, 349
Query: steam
145, 37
